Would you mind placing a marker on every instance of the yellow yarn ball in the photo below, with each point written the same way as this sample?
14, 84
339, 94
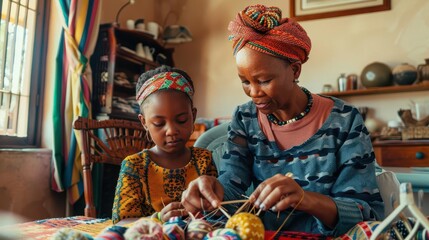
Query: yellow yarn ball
248, 226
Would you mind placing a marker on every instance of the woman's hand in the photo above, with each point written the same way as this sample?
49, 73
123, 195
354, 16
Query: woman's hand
204, 193
281, 192
173, 209
278, 193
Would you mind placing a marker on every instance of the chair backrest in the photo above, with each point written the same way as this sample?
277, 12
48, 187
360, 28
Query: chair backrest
213, 140
106, 141
388, 185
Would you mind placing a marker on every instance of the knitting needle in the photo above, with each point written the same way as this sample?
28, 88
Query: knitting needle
224, 212
242, 207
234, 201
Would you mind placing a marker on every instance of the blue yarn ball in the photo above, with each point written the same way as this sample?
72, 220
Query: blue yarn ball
173, 232
177, 220
223, 233
112, 233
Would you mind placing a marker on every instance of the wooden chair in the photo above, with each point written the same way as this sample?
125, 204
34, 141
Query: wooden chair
106, 141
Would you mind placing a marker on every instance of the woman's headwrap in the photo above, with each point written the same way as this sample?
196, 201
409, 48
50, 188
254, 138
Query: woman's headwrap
164, 80
263, 29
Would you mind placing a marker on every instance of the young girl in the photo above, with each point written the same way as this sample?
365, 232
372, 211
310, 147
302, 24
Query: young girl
151, 182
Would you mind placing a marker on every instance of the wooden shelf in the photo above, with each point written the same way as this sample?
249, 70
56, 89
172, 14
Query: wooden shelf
114, 53
134, 58
423, 86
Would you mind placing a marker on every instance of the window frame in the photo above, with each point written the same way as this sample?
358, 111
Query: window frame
38, 76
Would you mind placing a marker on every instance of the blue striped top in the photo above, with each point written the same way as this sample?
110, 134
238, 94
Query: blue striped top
337, 161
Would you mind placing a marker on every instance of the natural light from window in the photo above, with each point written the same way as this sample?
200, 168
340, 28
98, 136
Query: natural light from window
17, 29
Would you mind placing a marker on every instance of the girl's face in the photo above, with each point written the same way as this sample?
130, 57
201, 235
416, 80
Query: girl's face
169, 118
268, 80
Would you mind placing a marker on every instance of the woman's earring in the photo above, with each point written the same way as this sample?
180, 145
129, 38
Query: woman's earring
296, 81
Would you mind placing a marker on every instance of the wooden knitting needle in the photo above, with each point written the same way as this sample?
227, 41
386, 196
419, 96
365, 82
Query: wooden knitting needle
224, 212
259, 211
234, 201
242, 207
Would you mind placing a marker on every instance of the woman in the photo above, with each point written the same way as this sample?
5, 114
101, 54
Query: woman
321, 141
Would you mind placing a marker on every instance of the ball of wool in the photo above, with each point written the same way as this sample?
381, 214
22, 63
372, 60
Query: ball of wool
362, 230
70, 234
177, 220
247, 225
144, 228
198, 229
223, 233
112, 233
173, 232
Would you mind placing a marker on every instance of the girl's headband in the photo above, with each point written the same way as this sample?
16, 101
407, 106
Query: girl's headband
165, 80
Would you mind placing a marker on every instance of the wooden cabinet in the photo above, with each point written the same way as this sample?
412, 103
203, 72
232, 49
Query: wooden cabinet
402, 153
116, 67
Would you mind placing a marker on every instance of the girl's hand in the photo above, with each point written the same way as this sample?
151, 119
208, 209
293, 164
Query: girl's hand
204, 193
173, 209
278, 193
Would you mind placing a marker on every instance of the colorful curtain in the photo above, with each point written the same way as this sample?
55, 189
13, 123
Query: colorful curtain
72, 91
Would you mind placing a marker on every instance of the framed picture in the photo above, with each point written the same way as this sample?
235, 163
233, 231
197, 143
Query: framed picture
302, 10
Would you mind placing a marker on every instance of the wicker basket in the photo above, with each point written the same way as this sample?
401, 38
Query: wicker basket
415, 133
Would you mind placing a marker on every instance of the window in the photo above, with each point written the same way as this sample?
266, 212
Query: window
23, 36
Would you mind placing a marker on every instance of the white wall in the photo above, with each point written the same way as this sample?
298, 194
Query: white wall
25, 185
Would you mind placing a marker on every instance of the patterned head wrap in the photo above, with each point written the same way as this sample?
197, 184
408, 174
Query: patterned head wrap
164, 80
263, 29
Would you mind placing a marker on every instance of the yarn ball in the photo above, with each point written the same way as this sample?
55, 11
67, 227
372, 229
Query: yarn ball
404, 74
70, 234
144, 228
173, 232
112, 233
198, 229
178, 221
362, 230
223, 233
376, 74
248, 226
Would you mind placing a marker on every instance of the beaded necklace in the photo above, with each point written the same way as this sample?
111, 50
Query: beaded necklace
276, 121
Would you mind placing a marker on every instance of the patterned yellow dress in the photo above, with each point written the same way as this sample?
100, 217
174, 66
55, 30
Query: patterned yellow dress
143, 186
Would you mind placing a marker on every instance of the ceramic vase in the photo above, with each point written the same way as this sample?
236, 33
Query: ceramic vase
376, 74
404, 74
423, 71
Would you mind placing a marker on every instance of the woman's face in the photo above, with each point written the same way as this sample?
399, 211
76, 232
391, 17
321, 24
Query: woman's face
268, 80
169, 118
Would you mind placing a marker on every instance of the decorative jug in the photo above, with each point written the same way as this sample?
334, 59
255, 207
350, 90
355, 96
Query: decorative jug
423, 71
